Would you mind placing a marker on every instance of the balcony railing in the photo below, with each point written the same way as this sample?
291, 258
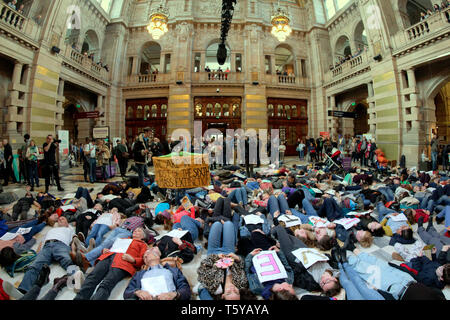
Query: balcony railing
290, 81
426, 27
349, 66
286, 79
158, 78
85, 64
18, 22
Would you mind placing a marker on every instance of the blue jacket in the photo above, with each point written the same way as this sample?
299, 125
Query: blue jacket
179, 280
427, 272
255, 286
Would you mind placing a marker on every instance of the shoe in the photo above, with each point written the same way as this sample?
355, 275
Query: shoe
78, 279
420, 222
60, 188
81, 237
336, 254
82, 262
430, 222
32, 189
90, 190
343, 254
43, 277
11, 291
439, 220
397, 256
59, 283
91, 244
77, 245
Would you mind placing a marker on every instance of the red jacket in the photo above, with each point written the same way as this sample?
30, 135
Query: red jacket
136, 249
421, 213
182, 212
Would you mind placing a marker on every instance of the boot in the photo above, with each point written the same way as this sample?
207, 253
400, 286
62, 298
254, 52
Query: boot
420, 222
59, 283
343, 255
60, 188
430, 222
43, 277
336, 254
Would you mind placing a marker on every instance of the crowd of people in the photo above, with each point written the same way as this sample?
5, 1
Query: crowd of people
105, 237
436, 9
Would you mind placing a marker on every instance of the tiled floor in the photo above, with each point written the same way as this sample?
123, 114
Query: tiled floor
73, 178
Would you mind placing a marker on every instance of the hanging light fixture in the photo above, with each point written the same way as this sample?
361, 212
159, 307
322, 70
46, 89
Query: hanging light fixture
280, 24
159, 18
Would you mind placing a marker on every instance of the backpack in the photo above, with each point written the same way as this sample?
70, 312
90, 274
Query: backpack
21, 264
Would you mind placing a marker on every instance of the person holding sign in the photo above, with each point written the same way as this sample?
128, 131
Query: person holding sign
177, 243
113, 266
269, 274
319, 276
157, 281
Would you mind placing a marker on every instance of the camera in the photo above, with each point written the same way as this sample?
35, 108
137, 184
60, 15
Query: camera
57, 141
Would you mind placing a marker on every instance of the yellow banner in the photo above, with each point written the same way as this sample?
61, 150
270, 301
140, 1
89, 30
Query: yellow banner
182, 172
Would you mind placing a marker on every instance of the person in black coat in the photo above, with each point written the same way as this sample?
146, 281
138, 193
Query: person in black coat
8, 154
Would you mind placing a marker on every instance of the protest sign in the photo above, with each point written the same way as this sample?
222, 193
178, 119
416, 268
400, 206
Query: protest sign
347, 223
178, 172
268, 266
290, 220
154, 285
121, 245
308, 256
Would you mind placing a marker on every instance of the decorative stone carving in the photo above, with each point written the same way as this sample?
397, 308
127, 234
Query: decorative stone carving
184, 31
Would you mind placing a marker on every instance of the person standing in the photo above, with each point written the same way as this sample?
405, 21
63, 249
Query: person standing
32, 154
90, 152
8, 155
102, 154
23, 161
300, 149
319, 148
140, 153
50, 166
434, 152
122, 156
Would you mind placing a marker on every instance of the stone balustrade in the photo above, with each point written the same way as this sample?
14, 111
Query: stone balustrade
348, 67
435, 22
18, 22
85, 63
148, 78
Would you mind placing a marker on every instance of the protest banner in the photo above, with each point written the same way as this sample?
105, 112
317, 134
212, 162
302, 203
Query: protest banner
268, 266
176, 171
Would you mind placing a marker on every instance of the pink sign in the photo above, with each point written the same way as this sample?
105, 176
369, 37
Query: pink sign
268, 266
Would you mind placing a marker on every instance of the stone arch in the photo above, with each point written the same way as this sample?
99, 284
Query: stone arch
285, 58
360, 35
211, 55
150, 57
91, 44
342, 46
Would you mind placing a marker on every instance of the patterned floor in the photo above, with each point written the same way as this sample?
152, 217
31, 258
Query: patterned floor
73, 178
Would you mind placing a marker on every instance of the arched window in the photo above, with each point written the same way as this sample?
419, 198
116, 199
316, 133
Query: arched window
164, 111
198, 110
130, 113
150, 58
209, 110
139, 112
270, 112
226, 110
284, 61
303, 112
154, 111
280, 110
217, 110
146, 112
236, 110
211, 58
294, 111
287, 110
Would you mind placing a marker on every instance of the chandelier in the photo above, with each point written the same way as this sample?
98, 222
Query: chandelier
280, 25
158, 22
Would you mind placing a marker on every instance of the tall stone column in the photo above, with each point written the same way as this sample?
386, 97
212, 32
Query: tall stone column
59, 114
371, 111
333, 121
13, 101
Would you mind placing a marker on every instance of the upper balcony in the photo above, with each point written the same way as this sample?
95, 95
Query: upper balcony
288, 81
19, 27
84, 65
435, 27
348, 69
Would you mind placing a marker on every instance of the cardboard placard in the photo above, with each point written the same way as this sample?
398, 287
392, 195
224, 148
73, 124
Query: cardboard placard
182, 172
121, 245
308, 256
268, 266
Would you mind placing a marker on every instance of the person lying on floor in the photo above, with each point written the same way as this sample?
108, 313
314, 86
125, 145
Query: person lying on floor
280, 289
22, 206
10, 250
174, 247
102, 225
56, 248
111, 267
140, 286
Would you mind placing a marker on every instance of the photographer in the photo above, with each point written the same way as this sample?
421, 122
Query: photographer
50, 165
102, 156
